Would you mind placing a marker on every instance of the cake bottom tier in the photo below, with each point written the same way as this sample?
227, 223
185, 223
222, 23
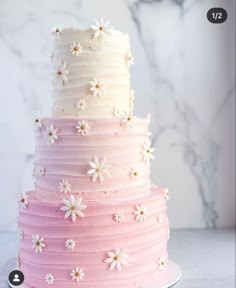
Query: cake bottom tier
116, 243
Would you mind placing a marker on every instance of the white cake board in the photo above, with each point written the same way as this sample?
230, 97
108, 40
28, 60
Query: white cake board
173, 276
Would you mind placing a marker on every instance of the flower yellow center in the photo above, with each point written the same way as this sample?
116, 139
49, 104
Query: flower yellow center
97, 86
129, 118
59, 73
116, 258
135, 174
73, 207
57, 30
142, 212
100, 28
36, 120
77, 274
82, 127
98, 169
76, 48
22, 200
148, 150
37, 243
49, 133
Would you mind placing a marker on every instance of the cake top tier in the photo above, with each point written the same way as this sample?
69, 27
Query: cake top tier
91, 72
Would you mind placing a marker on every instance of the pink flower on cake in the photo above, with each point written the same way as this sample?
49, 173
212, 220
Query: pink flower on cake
81, 105
23, 200
49, 278
101, 28
73, 207
83, 128
51, 134
141, 212
70, 244
77, 274
129, 59
61, 74
64, 186
97, 87
147, 151
38, 243
38, 122
99, 169
162, 263
117, 258
76, 48
129, 120
134, 173
56, 31
118, 217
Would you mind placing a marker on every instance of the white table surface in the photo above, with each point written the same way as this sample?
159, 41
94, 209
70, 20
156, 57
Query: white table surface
207, 257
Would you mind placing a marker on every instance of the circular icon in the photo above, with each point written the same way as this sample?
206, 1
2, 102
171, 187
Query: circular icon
16, 278
217, 15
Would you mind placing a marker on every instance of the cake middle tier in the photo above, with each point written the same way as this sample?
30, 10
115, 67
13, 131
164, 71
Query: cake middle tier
95, 157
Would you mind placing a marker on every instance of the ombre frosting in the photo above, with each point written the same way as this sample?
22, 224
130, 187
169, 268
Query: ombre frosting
93, 219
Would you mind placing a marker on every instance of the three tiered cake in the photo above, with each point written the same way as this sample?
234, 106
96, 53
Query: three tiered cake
93, 219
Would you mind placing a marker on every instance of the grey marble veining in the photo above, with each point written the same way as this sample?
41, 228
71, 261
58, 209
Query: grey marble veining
183, 75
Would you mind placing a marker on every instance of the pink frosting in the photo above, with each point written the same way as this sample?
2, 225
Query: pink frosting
95, 235
68, 158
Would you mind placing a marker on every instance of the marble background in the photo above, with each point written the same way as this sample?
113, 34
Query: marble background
183, 75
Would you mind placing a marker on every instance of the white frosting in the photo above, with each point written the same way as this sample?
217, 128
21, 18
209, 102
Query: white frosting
105, 60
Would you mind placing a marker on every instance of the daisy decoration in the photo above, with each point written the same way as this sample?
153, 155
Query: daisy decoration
73, 207
147, 151
83, 128
61, 73
141, 212
49, 278
97, 87
38, 243
128, 120
77, 274
56, 31
162, 263
23, 200
64, 186
51, 134
129, 59
101, 28
118, 217
116, 259
80, 105
134, 173
38, 122
70, 244
99, 169
76, 48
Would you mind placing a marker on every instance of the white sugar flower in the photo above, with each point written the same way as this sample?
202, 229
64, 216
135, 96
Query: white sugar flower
64, 186
38, 243
101, 28
49, 278
23, 200
128, 120
162, 263
76, 48
70, 244
160, 218
51, 134
141, 212
99, 169
81, 105
73, 207
97, 87
118, 217
117, 259
38, 122
56, 31
134, 173
147, 151
21, 235
83, 127
116, 112
61, 74
167, 194
39, 171
129, 59
77, 274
